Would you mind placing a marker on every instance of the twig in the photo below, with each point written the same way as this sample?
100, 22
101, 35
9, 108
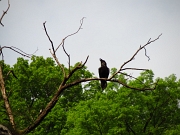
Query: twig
146, 54
4, 12
35, 51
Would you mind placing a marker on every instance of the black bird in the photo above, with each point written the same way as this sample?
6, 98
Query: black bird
103, 73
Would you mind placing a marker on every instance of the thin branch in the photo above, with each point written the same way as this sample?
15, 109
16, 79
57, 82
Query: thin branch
80, 27
146, 54
62, 43
63, 40
68, 55
145, 50
134, 88
131, 77
140, 48
133, 69
49, 37
35, 51
17, 50
4, 12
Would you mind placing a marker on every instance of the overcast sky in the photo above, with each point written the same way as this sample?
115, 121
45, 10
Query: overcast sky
113, 30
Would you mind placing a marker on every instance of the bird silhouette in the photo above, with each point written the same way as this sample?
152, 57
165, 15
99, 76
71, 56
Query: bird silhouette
103, 73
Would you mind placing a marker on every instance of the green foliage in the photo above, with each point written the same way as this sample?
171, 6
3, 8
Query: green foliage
85, 108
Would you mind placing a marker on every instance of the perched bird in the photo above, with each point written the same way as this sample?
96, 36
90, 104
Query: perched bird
103, 73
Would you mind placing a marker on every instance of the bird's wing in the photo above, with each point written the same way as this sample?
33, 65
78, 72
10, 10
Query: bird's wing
100, 72
108, 72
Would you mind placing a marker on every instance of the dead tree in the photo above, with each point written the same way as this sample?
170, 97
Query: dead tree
63, 86
66, 76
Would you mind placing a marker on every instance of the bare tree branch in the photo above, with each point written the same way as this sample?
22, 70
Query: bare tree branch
17, 50
49, 37
63, 40
53, 53
133, 69
145, 50
62, 43
80, 27
140, 48
62, 87
146, 54
4, 12
68, 55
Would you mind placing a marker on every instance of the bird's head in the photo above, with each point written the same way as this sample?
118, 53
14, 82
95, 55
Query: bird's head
103, 63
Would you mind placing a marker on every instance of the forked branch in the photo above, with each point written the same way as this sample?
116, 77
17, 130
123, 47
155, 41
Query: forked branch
80, 27
140, 48
54, 100
62, 86
53, 53
62, 43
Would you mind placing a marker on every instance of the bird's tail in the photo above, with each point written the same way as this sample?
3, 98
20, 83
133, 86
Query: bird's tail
103, 84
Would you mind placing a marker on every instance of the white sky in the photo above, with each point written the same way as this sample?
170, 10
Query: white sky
113, 30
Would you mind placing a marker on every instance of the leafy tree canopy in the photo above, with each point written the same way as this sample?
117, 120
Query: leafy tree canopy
85, 108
